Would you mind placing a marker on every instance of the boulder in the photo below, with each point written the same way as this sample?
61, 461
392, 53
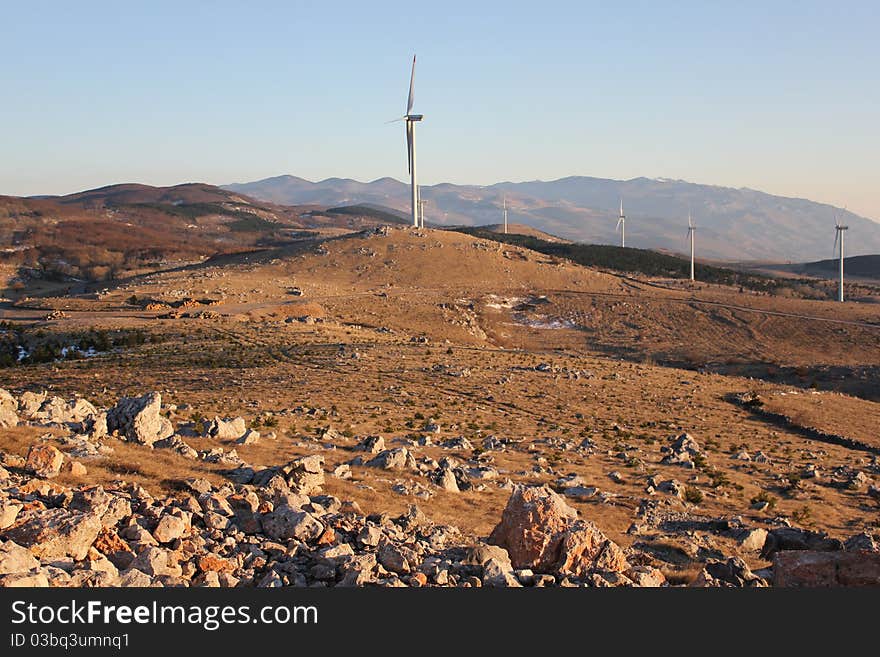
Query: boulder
446, 481
541, 532
250, 437
305, 475
16, 559
393, 459
809, 568
286, 522
371, 445
35, 579
138, 419
8, 408
29, 403
782, 539
156, 561
752, 539
171, 527
135, 578
532, 527
8, 512
57, 411
57, 533
733, 573
226, 428
586, 549
44, 460
76, 469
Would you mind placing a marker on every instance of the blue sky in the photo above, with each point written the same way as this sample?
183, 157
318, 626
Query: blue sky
778, 96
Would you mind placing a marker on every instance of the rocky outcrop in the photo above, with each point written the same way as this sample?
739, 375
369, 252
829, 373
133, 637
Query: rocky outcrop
138, 419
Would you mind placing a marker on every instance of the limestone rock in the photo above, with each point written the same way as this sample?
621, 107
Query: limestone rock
371, 445
29, 403
56, 533
541, 532
285, 523
250, 437
8, 408
393, 459
138, 419
226, 428
155, 561
44, 460
8, 512
16, 559
733, 573
171, 527
305, 475
752, 539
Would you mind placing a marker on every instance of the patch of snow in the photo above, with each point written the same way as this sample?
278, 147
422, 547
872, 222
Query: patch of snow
544, 322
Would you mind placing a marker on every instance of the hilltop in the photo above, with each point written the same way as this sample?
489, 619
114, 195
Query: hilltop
734, 224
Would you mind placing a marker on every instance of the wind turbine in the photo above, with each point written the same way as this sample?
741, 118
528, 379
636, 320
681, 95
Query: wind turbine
411, 120
505, 215
838, 236
691, 231
621, 224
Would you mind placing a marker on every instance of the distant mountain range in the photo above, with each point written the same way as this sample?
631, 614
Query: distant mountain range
733, 224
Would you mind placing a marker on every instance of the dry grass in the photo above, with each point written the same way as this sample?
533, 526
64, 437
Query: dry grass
625, 398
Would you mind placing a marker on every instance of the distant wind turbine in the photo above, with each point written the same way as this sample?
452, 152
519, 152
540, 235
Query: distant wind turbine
691, 231
621, 224
411, 120
838, 236
505, 215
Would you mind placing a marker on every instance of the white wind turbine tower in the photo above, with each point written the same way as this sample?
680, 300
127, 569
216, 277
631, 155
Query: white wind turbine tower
691, 231
505, 214
411, 120
838, 236
621, 224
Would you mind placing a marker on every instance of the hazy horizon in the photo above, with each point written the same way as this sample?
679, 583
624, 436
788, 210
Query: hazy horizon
780, 99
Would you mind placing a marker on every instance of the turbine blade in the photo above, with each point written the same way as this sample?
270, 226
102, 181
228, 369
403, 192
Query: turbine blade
409, 145
836, 235
618, 224
402, 118
621, 207
412, 79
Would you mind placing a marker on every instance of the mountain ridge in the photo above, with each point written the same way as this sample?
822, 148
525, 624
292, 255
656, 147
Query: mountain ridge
733, 223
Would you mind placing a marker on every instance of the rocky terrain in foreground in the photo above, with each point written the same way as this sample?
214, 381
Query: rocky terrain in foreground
274, 526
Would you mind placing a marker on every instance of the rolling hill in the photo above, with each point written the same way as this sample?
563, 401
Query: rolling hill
114, 231
734, 224
867, 266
